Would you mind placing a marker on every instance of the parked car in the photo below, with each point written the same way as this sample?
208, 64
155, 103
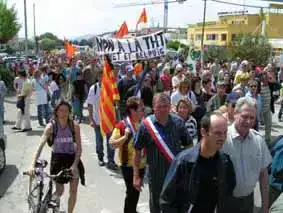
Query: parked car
3, 141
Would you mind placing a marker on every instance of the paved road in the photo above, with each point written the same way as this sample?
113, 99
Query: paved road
104, 190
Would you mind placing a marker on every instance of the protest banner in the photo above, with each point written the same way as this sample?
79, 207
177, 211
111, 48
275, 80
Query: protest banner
131, 49
192, 58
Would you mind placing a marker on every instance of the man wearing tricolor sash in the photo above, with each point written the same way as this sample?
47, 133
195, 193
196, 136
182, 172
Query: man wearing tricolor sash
163, 135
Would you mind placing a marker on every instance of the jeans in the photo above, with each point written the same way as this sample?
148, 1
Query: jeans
100, 147
267, 119
55, 97
43, 112
2, 109
1, 118
132, 195
280, 111
241, 205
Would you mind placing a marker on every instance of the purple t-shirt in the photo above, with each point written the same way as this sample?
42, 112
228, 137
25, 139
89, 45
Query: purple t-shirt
63, 142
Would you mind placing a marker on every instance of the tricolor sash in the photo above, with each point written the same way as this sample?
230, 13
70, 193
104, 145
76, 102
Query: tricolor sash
131, 126
133, 131
161, 145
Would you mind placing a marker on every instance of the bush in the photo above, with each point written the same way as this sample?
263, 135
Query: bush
7, 77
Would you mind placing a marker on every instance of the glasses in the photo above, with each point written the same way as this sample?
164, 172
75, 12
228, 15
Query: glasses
253, 86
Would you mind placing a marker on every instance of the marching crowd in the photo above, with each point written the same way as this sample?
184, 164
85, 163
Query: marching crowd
194, 134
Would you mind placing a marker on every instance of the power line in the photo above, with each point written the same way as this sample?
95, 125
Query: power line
238, 4
147, 3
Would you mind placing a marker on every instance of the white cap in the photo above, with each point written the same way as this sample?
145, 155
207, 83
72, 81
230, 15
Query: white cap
179, 67
244, 62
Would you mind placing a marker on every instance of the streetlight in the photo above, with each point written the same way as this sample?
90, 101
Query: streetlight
26, 28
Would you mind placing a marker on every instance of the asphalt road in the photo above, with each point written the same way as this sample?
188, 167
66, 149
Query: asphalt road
104, 191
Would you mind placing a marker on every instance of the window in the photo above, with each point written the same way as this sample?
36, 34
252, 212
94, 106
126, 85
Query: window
192, 36
233, 37
211, 37
198, 37
223, 37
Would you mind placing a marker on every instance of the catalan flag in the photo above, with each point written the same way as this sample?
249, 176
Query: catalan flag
109, 94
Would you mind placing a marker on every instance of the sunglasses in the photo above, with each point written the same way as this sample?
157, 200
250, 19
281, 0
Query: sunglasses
253, 86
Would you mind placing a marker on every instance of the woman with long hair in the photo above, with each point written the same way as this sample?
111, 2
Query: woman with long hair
63, 135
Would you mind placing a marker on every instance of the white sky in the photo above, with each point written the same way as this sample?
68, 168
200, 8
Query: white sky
71, 18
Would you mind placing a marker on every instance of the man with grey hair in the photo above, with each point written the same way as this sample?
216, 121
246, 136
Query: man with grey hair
250, 156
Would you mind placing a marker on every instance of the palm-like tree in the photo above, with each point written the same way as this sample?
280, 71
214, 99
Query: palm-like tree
9, 26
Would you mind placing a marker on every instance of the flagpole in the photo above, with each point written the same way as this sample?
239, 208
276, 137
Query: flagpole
26, 28
202, 35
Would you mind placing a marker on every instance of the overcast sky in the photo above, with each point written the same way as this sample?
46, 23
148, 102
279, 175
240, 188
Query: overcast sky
71, 18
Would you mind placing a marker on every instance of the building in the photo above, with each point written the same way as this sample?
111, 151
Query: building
231, 24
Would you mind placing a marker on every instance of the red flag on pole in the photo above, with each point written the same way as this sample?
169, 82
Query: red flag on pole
142, 18
122, 31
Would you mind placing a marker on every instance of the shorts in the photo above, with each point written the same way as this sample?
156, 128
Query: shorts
60, 162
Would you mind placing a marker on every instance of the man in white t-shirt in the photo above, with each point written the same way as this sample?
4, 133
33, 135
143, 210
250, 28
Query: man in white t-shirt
94, 119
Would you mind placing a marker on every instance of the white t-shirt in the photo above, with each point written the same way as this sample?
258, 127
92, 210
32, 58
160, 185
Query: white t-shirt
93, 99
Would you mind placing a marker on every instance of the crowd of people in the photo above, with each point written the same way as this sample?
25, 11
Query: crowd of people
194, 134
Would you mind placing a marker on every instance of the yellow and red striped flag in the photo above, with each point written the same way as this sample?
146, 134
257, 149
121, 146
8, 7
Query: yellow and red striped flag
109, 94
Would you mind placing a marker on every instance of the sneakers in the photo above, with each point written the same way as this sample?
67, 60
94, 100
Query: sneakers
15, 128
112, 166
101, 163
27, 130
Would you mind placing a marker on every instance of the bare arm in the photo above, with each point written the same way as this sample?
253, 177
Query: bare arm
79, 145
46, 134
136, 162
90, 113
117, 142
264, 189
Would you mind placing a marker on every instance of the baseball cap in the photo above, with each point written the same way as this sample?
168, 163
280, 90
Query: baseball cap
129, 68
244, 62
233, 97
179, 67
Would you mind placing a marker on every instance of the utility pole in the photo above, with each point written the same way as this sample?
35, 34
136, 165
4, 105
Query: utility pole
34, 26
202, 35
26, 28
165, 25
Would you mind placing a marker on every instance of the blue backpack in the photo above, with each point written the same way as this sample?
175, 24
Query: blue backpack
276, 168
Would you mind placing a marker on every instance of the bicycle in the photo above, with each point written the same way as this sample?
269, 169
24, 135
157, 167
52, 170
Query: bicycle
39, 199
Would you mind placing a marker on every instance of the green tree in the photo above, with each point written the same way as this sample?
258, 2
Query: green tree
221, 53
47, 44
9, 26
22, 45
49, 36
251, 47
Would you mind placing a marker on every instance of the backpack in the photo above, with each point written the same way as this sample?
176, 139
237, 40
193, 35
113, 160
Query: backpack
276, 168
54, 125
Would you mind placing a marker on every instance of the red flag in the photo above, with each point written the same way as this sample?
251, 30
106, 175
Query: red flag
70, 49
109, 94
142, 18
122, 31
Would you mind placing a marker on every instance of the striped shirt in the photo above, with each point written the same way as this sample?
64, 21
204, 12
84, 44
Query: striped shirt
175, 136
266, 98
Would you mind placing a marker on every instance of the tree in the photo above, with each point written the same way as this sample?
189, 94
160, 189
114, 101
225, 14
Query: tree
251, 47
221, 53
49, 36
47, 44
9, 26
22, 45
